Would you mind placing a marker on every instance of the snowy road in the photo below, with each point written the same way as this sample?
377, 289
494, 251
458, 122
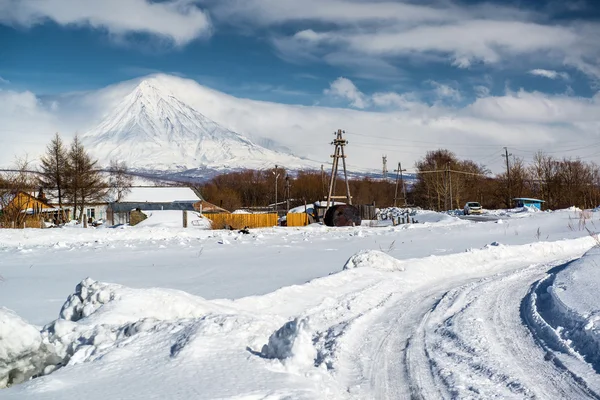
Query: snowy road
462, 339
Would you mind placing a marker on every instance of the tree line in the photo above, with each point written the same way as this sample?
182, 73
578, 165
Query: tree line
443, 181
256, 188
67, 172
560, 182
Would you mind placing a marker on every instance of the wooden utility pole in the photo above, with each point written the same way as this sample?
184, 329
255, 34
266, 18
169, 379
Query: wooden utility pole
339, 142
399, 179
324, 189
506, 155
287, 191
276, 176
450, 181
385, 170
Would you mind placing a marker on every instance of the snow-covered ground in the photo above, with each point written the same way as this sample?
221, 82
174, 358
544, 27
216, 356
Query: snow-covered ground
444, 308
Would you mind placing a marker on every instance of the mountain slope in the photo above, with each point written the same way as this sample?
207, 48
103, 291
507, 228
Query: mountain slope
152, 130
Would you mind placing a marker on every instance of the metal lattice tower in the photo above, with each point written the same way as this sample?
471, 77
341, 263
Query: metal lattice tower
339, 142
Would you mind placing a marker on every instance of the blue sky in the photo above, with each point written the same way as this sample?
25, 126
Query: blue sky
471, 76
249, 52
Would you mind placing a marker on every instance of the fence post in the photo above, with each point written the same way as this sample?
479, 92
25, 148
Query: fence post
185, 218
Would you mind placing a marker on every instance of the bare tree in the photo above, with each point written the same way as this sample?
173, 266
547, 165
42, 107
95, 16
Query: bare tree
13, 203
120, 181
85, 182
54, 170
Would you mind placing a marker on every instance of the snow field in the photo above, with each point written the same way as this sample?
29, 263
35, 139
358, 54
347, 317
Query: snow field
424, 310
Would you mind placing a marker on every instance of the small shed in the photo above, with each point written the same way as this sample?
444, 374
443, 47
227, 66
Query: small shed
527, 202
152, 199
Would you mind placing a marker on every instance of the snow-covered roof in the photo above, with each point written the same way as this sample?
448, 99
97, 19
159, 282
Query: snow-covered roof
528, 199
156, 194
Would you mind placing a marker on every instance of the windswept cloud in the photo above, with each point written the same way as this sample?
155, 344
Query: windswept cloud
178, 21
549, 74
344, 88
4, 81
389, 32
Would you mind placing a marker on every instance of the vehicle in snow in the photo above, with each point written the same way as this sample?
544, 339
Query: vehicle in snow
472, 207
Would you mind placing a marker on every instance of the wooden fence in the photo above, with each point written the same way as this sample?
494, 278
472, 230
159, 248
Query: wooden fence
239, 221
297, 219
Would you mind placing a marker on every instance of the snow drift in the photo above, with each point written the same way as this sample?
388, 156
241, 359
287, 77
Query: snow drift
374, 259
23, 353
568, 302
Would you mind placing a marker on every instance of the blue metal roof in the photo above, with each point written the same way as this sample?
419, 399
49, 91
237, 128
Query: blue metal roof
528, 199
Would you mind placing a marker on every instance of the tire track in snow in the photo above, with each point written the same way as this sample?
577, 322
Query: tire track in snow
460, 340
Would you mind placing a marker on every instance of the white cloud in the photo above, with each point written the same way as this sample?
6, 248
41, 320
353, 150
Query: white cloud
4, 81
549, 74
178, 21
405, 130
381, 31
344, 88
446, 92
482, 91
26, 124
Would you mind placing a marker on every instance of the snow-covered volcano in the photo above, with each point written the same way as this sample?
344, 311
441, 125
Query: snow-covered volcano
152, 130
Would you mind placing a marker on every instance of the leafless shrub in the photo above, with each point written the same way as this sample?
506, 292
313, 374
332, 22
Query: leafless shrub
391, 247
584, 216
594, 236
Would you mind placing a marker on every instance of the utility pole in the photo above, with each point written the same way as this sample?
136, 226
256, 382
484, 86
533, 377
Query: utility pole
506, 155
339, 142
287, 189
399, 179
450, 180
276, 176
385, 170
323, 181
446, 187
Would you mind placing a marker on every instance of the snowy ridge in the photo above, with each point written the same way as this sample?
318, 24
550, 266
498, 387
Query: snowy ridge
565, 316
152, 130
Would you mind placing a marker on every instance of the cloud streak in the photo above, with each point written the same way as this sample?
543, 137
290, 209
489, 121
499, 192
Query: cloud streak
382, 31
177, 21
545, 73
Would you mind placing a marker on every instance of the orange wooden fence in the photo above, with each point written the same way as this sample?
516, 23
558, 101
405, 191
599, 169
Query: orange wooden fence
239, 221
297, 219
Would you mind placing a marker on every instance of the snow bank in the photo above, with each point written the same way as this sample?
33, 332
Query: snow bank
95, 303
292, 344
374, 259
574, 309
99, 316
23, 354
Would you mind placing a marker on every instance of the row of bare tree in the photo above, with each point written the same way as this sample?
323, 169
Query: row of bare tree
445, 182
69, 174
252, 188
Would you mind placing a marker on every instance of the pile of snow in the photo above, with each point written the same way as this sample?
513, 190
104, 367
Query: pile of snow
93, 321
23, 353
292, 344
374, 259
574, 309
173, 219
